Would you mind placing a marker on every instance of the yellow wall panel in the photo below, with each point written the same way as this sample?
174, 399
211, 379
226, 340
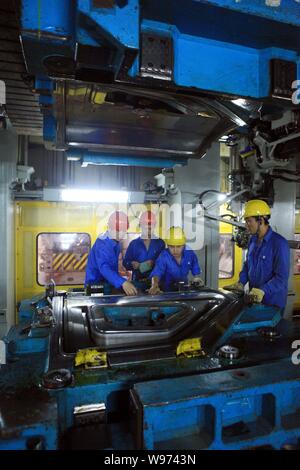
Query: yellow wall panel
36, 217
28, 260
64, 215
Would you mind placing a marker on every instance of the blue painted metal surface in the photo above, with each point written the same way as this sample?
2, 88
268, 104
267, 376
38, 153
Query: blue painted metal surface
240, 409
42, 435
125, 315
93, 158
25, 337
32, 343
257, 316
119, 24
45, 100
49, 127
27, 307
249, 321
42, 84
286, 12
48, 16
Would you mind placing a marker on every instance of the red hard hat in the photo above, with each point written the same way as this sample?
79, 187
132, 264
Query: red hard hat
118, 221
147, 218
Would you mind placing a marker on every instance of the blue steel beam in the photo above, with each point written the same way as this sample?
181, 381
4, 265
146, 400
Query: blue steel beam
50, 17
224, 50
220, 67
94, 158
288, 11
239, 409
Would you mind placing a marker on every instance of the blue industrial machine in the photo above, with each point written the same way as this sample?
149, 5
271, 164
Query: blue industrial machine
200, 369
151, 83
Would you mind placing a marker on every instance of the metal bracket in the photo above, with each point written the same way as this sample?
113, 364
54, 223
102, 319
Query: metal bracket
283, 74
267, 150
156, 57
90, 414
61, 116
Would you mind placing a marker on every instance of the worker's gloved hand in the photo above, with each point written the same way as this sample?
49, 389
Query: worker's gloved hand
154, 290
238, 286
129, 288
135, 264
145, 266
256, 295
198, 281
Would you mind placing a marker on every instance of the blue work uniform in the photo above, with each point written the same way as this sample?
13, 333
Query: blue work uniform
137, 251
170, 272
102, 265
267, 268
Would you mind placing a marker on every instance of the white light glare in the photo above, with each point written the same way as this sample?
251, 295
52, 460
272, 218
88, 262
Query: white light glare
222, 197
73, 159
239, 102
90, 195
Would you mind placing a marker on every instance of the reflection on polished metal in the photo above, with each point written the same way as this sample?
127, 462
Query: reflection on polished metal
228, 352
290, 447
270, 333
112, 322
117, 321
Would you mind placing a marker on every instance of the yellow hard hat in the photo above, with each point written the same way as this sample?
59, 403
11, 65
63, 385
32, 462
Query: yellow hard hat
176, 237
256, 208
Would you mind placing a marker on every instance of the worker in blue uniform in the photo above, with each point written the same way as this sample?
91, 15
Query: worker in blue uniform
174, 264
102, 266
142, 252
268, 259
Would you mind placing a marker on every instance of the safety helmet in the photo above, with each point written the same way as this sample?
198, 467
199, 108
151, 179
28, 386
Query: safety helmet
176, 237
147, 218
118, 221
256, 208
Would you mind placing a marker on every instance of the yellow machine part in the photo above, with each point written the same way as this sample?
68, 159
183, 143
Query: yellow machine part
190, 347
90, 358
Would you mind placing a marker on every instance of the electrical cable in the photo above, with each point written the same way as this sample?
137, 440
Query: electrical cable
230, 216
